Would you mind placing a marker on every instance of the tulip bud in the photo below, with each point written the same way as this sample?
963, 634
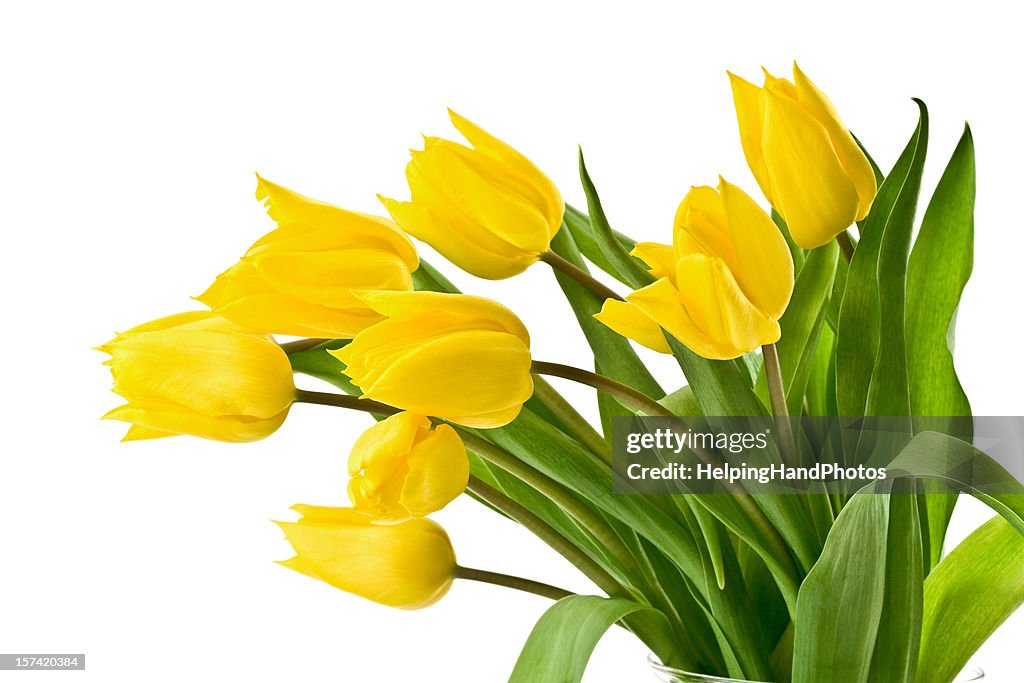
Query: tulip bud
199, 374
488, 209
722, 286
402, 469
409, 565
297, 279
462, 358
805, 160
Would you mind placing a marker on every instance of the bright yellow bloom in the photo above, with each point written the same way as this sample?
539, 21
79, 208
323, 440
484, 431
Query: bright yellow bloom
298, 278
402, 469
722, 286
199, 374
487, 209
462, 358
409, 565
805, 160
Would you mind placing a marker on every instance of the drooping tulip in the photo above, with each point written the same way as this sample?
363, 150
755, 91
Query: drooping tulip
722, 286
199, 374
806, 161
409, 565
298, 278
462, 358
486, 208
401, 468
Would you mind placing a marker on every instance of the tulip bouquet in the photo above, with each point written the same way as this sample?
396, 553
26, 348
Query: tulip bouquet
776, 314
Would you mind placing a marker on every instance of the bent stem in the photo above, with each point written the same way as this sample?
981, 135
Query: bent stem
508, 581
324, 398
625, 394
582, 277
777, 393
570, 417
545, 532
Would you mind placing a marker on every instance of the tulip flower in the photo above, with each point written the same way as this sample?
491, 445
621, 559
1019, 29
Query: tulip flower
722, 286
409, 565
199, 374
402, 469
298, 278
462, 358
487, 209
805, 160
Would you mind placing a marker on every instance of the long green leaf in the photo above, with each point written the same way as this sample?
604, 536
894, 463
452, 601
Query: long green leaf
860, 314
859, 610
615, 255
582, 233
972, 591
561, 643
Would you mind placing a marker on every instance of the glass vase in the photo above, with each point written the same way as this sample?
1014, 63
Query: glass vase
667, 674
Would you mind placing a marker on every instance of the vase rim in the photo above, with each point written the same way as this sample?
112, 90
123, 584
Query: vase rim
969, 674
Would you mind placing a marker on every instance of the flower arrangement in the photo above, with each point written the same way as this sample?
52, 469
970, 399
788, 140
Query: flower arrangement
779, 315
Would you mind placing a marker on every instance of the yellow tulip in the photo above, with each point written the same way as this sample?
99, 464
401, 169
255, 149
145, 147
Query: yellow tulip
409, 565
487, 209
402, 469
722, 286
297, 279
199, 374
459, 357
805, 160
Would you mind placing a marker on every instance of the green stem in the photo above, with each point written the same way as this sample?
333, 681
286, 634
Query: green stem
508, 581
581, 276
777, 393
324, 398
545, 532
576, 423
627, 395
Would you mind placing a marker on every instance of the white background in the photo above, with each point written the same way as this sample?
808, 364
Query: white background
130, 133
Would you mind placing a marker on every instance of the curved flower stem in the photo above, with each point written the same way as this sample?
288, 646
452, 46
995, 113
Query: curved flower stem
581, 276
777, 393
576, 423
624, 393
324, 398
508, 581
558, 494
845, 245
545, 532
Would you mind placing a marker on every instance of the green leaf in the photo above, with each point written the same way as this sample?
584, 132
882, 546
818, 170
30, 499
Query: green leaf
971, 592
614, 253
798, 253
889, 391
582, 233
612, 352
859, 610
429, 279
561, 643
801, 325
720, 386
861, 311
939, 268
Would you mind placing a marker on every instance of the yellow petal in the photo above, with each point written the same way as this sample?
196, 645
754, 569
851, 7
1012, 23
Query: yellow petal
631, 322
458, 377
762, 263
409, 565
400, 305
718, 306
701, 226
660, 258
661, 302
853, 159
438, 472
544, 192
151, 417
810, 187
286, 206
749, 104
